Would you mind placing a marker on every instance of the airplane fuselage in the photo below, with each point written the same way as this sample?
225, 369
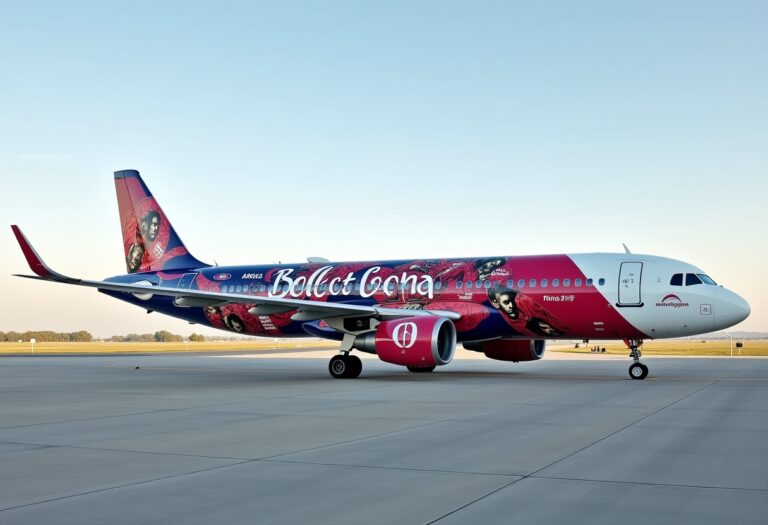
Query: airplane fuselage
580, 296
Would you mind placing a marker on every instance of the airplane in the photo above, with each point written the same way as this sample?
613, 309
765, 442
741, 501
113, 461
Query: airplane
411, 313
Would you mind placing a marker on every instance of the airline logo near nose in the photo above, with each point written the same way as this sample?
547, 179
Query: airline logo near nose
404, 335
673, 301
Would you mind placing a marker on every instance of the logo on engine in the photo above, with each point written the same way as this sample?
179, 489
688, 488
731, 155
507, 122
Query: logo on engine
404, 335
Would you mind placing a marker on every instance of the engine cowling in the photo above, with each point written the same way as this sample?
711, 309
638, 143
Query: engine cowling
509, 349
412, 341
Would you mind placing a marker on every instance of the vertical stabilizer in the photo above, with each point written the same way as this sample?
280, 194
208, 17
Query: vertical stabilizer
149, 240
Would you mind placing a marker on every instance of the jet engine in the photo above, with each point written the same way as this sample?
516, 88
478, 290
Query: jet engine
419, 342
509, 349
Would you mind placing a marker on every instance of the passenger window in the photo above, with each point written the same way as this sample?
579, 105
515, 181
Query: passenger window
601, 281
478, 284
510, 283
577, 282
469, 284
532, 283
544, 283
488, 284
691, 279
520, 283
566, 282
438, 285
555, 283
677, 280
589, 282
458, 284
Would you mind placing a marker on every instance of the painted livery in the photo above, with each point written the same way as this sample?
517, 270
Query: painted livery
412, 312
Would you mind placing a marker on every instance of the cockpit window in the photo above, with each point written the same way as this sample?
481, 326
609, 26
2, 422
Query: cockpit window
677, 280
707, 279
691, 279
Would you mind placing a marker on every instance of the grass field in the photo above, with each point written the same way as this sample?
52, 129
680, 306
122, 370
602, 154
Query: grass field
681, 347
129, 348
663, 347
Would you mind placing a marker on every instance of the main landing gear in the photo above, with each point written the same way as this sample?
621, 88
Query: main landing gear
637, 370
345, 366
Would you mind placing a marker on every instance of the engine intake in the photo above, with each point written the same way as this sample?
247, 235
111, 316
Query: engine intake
509, 349
412, 341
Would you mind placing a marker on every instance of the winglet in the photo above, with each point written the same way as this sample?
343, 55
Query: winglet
35, 262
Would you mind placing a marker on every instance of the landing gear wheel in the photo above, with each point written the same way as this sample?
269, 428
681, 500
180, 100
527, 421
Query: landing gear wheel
638, 371
345, 366
420, 369
355, 366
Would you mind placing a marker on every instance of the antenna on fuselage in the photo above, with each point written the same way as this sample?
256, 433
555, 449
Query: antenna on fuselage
626, 250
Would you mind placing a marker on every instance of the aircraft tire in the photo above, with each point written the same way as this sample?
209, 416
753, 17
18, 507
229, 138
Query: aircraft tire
355, 366
638, 371
345, 366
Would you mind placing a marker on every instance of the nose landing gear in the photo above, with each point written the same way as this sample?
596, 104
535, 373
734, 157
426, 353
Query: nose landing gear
637, 370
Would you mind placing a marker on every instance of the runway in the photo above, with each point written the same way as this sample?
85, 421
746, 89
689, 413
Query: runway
234, 439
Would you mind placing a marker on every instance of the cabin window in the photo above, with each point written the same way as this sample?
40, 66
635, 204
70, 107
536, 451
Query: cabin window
510, 283
691, 279
677, 280
469, 284
566, 282
478, 284
589, 282
487, 284
601, 281
458, 285
544, 283
532, 283
520, 283
577, 282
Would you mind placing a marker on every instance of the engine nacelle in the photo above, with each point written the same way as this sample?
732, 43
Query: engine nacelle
509, 349
412, 341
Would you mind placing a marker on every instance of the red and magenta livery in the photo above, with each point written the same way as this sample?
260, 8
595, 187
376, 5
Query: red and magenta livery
412, 313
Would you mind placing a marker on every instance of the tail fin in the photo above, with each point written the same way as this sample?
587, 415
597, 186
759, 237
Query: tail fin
149, 240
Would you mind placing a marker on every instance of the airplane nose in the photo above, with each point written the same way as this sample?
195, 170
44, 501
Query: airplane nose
730, 309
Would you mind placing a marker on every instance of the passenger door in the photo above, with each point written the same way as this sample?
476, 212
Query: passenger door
630, 276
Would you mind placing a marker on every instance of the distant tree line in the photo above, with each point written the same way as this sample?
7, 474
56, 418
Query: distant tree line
163, 336
47, 336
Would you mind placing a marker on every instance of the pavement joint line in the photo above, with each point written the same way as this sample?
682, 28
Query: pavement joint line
381, 467
124, 485
462, 507
347, 442
651, 484
80, 420
532, 474
131, 451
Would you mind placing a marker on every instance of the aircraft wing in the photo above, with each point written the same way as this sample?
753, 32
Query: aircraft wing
305, 310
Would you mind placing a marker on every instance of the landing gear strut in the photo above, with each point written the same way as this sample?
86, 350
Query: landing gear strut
345, 366
637, 370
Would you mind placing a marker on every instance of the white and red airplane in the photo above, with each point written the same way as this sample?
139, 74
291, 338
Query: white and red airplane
412, 312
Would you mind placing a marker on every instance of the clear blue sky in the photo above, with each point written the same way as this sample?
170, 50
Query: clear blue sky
354, 130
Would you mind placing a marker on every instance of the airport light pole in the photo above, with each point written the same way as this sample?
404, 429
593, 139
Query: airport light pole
730, 339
